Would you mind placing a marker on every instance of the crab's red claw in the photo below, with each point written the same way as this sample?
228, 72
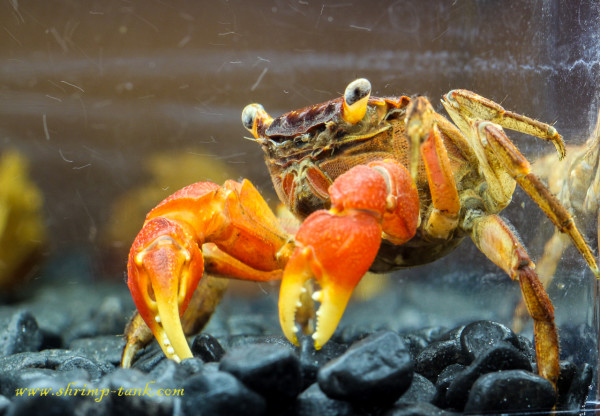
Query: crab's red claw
164, 269
242, 239
337, 250
338, 246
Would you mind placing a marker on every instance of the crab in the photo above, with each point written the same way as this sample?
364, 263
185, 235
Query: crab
378, 183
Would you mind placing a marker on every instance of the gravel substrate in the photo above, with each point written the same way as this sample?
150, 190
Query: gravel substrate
65, 339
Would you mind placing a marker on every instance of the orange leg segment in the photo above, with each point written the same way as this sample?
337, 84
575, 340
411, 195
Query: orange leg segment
443, 218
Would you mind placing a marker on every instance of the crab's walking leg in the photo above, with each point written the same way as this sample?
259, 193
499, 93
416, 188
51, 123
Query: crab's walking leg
496, 240
336, 247
166, 260
545, 269
520, 169
465, 105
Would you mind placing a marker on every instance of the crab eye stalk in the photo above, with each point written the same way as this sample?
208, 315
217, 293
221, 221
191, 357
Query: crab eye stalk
356, 98
255, 116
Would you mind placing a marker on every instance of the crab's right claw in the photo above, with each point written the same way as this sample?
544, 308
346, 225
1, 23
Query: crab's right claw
164, 268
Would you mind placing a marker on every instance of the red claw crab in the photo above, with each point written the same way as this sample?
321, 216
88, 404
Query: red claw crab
379, 183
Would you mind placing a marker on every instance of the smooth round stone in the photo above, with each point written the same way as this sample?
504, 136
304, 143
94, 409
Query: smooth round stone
349, 334
192, 365
4, 404
207, 348
19, 333
38, 404
312, 360
11, 381
478, 337
416, 343
437, 356
445, 378
511, 390
374, 371
271, 370
103, 348
219, 393
82, 363
421, 390
171, 374
50, 359
432, 333
150, 358
133, 393
418, 409
313, 401
573, 385
502, 356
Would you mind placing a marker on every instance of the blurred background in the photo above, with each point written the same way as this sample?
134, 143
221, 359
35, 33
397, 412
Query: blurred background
112, 105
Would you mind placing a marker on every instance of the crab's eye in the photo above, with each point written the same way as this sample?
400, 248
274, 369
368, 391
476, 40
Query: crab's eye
249, 114
255, 118
356, 98
357, 90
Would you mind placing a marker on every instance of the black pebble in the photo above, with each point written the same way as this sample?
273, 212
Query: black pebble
313, 401
502, 356
511, 390
219, 393
192, 365
4, 404
374, 371
421, 390
19, 333
311, 360
416, 343
479, 336
149, 359
271, 370
169, 373
107, 348
146, 402
419, 409
11, 381
49, 405
445, 378
573, 385
437, 356
93, 369
207, 348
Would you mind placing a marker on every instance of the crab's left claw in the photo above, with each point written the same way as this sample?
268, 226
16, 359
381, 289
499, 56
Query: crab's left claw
337, 247
337, 250
164, 269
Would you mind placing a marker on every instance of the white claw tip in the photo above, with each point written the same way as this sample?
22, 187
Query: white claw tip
171, 351
157, 319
